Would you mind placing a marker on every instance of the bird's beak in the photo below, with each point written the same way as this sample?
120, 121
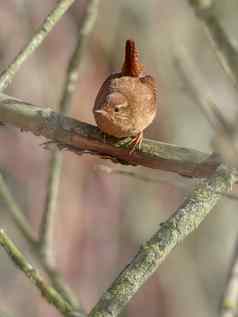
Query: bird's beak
103, 112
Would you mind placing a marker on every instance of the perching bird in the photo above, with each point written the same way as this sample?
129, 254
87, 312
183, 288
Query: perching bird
126, 103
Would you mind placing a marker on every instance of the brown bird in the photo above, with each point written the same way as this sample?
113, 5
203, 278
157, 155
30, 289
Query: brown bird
126, 103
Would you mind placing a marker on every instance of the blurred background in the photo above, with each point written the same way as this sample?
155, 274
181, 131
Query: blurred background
102, 218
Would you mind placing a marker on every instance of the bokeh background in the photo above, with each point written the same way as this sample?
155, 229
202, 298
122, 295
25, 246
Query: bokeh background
102, 219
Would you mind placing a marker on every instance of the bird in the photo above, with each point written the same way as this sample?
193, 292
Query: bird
126, 102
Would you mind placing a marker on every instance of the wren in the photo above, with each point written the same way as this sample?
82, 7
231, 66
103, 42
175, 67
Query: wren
126, 102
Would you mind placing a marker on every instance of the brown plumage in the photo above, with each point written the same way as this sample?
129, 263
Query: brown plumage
126, 103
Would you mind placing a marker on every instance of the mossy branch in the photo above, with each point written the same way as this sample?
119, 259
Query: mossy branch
182, 223
82, 138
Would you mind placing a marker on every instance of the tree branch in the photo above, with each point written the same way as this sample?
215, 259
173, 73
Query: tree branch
225, 140
229, 301
16, 213
26, 230
7, 75
49, 293
47, 222
183, 222
152, 180
73, 68
83, 138
5, 79
224, 50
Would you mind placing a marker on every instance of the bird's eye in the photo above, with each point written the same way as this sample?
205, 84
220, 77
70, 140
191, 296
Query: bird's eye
116, 109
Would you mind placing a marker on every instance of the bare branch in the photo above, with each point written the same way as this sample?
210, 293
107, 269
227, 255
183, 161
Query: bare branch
16, 213
162, 179
226, 53
49, 293
47, 223
76, 59
81, 138
55, 15
46, 231
225, 140
26, 230
182, 223
5, 79
229, 307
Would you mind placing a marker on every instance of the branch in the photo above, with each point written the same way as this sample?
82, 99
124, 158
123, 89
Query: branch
225, 140
26, 230
7, 75
46, 234
182, 223
225, 51
49, 293
141, 177
83, 138
75, 61
16, 213
47, 222
162, 179
5, 79
229, 302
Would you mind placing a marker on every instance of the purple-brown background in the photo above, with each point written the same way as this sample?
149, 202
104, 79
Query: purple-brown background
103, 219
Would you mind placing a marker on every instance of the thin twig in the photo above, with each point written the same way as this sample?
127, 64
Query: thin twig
229, 303
147, 179
18, 216
225, 51
46, 231
162, 179
228, 57
49, 293
16, 213
190, 76
82, 138
7, 75
225, 140
48, 218
230, 196
182, 223
86, 27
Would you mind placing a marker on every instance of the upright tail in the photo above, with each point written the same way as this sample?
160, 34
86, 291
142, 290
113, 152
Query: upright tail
132, 67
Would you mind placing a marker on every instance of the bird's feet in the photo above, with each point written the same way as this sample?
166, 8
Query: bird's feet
131, 143
135, 142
